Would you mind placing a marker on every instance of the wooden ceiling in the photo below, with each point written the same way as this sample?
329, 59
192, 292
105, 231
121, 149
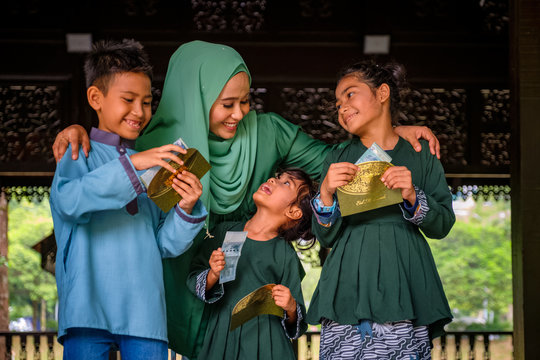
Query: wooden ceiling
456, 53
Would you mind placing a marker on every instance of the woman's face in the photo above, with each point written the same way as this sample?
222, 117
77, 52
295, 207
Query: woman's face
230, 107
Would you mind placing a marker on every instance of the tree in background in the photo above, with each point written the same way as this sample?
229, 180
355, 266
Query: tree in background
474, 262
29, 285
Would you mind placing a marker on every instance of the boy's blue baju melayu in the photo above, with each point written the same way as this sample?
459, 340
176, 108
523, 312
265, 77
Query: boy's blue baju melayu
111, 239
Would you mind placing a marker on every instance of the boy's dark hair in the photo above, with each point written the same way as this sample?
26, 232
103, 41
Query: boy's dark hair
109, 58
306, 191
374, 75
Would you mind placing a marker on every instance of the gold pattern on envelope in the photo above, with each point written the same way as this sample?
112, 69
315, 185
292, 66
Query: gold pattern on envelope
171, 177
366, 191
160, 189
255, 303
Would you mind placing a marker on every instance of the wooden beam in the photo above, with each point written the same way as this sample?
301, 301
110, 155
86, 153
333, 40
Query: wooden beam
4, 294
525, 90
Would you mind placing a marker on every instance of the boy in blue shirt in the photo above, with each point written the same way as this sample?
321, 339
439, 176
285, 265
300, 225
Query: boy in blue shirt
110, 235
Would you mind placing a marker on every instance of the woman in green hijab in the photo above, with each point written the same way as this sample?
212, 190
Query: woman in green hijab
244, 154
205, 101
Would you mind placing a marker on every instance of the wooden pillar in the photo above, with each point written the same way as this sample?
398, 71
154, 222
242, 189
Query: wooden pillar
4, 294
525, 78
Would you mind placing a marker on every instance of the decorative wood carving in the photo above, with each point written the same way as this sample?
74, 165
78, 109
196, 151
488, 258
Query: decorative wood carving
30, 119
314, 110
495, 149
495, 16
235, 16
140, 7
496, 107
444, 112
35, 193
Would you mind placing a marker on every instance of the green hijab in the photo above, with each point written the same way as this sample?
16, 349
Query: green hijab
197, 73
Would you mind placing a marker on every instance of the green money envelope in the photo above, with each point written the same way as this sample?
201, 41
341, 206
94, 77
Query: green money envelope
366, 191
160, 189
255, 303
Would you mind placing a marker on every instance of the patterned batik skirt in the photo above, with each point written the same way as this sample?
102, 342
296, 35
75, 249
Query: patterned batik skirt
369, 340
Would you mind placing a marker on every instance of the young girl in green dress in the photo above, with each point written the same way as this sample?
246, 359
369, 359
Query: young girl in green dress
379, 295
283, 215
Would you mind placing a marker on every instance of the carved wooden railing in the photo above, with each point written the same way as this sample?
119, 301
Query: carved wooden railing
472, 345
454, 345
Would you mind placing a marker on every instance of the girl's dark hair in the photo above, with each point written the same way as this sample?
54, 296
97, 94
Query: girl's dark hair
374, 75
109, 58
307, 190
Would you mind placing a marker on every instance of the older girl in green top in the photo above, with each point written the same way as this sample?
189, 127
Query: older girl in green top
379, 295
205, 100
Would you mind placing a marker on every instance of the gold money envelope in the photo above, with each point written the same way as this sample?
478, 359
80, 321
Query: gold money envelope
160, 189
366, 191
255, 303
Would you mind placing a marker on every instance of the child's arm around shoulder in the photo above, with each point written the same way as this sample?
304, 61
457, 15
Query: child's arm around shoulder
78, 190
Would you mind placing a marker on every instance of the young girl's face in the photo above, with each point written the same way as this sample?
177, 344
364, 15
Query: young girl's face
278, 193
357, 104
230, 107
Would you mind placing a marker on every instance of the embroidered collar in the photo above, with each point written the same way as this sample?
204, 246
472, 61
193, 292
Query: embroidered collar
110, 138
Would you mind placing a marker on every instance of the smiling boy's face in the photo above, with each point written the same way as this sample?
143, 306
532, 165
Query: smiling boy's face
126, 108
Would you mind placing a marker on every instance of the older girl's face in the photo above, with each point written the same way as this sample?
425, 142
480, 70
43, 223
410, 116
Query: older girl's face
358, 106
230, 107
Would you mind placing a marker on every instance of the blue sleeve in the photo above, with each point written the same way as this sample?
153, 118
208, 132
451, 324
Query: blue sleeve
411, 209
325, 215
178, 229
77, 191
328, 231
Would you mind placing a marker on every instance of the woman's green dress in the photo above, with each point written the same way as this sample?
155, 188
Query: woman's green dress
197, 73
262, 262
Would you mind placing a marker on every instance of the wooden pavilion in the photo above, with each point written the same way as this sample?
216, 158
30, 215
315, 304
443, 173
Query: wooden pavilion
474, 68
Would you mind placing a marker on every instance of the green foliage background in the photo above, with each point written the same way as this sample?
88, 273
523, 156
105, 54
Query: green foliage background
475, 265
28, 223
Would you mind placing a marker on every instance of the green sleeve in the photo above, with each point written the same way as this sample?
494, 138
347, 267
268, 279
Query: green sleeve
440, 217
199, 263
292, 278
327, 236
296, 148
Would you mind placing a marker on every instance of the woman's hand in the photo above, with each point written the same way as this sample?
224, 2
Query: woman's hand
338, 174
399, 177
74, 135
155, 157
189, 187
413, 133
